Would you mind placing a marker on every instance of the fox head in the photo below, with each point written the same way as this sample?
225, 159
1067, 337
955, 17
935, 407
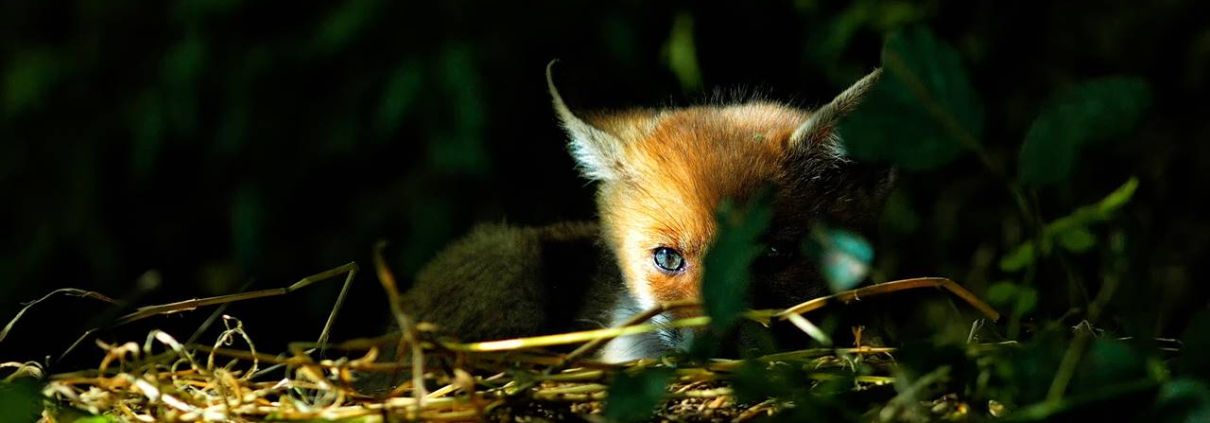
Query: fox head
662, 174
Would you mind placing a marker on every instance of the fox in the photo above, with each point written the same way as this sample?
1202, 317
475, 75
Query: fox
660, 174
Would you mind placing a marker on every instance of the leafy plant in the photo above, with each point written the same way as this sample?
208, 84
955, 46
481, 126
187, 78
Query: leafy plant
633, 397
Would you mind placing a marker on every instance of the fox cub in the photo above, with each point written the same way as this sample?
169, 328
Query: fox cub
660, 175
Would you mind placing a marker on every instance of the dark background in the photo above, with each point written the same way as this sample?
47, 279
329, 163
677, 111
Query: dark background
219, 143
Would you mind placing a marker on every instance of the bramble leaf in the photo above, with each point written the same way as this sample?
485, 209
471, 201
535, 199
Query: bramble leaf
921, 112
1092, 111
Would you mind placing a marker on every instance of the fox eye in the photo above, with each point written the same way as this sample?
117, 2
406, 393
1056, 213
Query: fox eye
668, 260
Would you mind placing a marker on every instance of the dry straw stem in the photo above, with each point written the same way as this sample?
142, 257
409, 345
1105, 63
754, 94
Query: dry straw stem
889, 287
137, 383
387, 278
67, 291
632, 327
349, 269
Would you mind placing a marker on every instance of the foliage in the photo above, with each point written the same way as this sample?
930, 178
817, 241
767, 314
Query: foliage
727, 264
1071, 231
923, 113
20, 400
634, 397
1089, 112
224, 142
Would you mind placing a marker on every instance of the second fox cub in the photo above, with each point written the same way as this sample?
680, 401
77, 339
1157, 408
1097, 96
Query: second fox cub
660, 174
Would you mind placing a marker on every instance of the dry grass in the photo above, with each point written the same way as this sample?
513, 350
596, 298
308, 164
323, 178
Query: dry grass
163, 379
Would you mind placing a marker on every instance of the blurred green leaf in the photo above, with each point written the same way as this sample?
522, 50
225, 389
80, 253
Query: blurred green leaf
1019, 258
754, 382
184, 64
1184, 400
921, 112
27, 77
96, 419
726, 265
343, 24
398, 97
1116, 199
634, 397
1002, 293
462, 150
1077, 240
184, 61
1109, 362
1091, 111
20, 400
1020, 299
828, 44
682, 55
1027, 300
844, 257
233, 127
1068, 228
894, 14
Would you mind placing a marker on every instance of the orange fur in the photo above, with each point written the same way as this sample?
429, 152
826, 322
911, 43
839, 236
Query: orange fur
676, 167
663, 174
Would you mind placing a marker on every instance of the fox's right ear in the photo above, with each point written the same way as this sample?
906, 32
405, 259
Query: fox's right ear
597, 153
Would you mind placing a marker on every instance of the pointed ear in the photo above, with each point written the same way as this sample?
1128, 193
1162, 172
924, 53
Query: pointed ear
597, 153
820, 127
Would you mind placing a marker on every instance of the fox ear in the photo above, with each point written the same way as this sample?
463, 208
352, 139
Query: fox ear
598, 154
820, 127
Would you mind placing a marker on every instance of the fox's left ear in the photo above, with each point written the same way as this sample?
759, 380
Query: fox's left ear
867, 184
820, 128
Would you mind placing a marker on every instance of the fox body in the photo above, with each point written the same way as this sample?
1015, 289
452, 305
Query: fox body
660, 174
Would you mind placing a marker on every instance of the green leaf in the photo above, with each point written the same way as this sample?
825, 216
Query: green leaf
96, 419
1184, 400
345, 23
463, 151
398, 97
20, 400
922, 113
1064, 227
756, 381
27, 79
1027, 300
844, 257
1019, 258
634, 397
1002, 293
1077, 240
184, 65
1109, 362
727, 263
1118, 198
682, 55
1021, 299
1089, 112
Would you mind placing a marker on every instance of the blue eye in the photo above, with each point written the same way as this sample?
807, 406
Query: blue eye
668, 260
